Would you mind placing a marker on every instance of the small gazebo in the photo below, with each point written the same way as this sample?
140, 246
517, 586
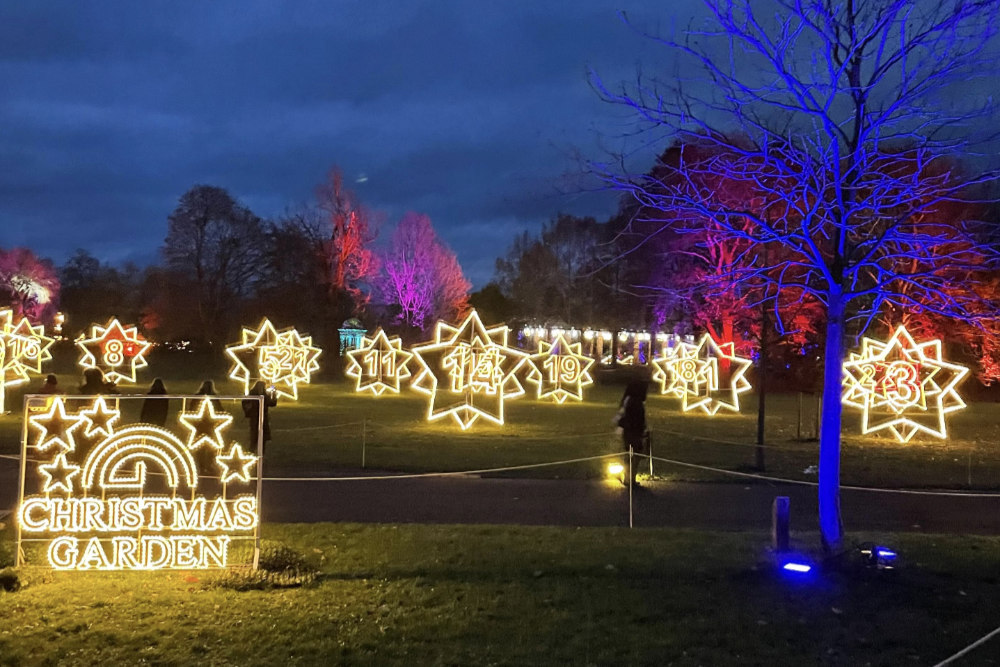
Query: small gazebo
351, 332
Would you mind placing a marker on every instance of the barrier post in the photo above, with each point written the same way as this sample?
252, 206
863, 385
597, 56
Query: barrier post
780, 524
364, 440
631, 486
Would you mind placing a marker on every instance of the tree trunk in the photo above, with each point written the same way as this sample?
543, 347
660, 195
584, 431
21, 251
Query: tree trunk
762, 386
830, 525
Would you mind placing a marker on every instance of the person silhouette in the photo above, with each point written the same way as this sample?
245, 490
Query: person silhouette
154, 410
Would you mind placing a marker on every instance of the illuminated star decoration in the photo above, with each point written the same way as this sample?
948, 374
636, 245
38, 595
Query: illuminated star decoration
116, 350
704, 375
58, 474
281, 358
23, 349
902, 386
378, 364
99, 419
468, 371
560, 370
236, 465
56, 427
206, 425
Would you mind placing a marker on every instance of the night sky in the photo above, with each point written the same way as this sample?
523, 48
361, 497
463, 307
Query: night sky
469, 112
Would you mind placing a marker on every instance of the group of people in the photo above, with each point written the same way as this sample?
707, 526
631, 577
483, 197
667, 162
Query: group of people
630, 420
154, 410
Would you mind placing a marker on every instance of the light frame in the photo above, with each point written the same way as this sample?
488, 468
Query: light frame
931, 386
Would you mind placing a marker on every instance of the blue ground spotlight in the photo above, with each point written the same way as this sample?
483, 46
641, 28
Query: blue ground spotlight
879, 557
796, 567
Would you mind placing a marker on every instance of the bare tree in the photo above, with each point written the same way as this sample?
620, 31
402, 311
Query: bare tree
345, 244
422, 276
848, 116
215, 245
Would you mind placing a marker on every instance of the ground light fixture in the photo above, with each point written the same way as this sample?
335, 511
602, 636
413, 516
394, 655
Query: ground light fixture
615, 468
879, 557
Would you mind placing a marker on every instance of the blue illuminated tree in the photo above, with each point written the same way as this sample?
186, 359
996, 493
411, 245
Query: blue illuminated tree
847, 119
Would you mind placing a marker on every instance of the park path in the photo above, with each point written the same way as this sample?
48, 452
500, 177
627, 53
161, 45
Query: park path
483, 500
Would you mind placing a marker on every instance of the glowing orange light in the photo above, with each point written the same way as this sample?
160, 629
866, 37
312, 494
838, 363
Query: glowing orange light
902, 386
691, 373
116, 350
468, 371
284, 359
378, 364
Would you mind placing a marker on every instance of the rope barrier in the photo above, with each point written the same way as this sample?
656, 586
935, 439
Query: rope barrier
843, 487
314, 428
979, 642
733, 442
441, 474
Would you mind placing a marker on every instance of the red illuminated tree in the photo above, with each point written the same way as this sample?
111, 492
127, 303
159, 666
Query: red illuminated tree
31, 283
348, 262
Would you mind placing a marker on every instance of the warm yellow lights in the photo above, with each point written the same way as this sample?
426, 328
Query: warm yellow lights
205, 426
132, 497
116, 350
615, 469
560, 371
704, 375
468, 371
236, 466
283, 359
902, 386
378, 364
23, 349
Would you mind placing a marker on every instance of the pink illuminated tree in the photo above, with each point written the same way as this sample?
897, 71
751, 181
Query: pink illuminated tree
421, 275
31, 283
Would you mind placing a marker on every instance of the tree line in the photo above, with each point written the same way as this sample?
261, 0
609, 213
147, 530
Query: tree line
223, 266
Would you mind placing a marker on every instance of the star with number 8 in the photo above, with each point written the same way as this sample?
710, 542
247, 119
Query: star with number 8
118, 351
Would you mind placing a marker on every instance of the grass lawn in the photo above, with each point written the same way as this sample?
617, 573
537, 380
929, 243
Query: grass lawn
323, 432
517, 595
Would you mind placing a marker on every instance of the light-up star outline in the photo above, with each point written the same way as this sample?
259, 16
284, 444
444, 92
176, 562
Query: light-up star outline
205, 425
56, 427
118, 351
58, 475
282, 358
902, 386
692, 373
23, 349
236, 465
468, 371
379, 364
560, 370
99, 419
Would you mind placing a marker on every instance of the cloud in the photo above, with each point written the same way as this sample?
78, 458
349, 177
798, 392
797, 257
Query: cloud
465, 111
